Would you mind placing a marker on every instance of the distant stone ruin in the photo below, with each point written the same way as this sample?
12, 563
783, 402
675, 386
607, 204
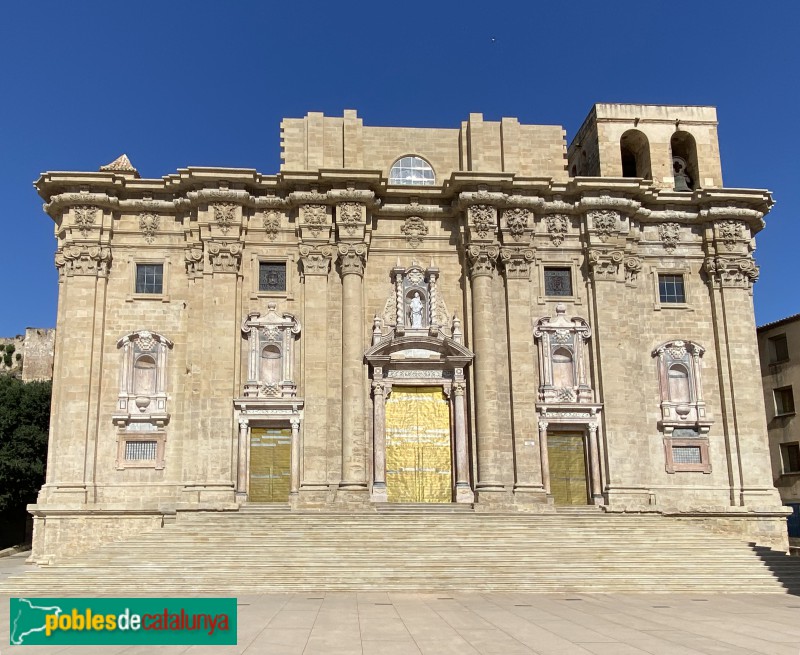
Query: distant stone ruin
28, 356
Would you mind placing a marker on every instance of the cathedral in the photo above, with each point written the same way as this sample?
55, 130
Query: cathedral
478, 315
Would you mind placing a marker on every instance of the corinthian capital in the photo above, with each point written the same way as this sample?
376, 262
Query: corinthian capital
482, 260
352, 259
315, 261
517, 262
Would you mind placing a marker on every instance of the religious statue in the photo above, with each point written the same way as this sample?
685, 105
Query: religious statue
415, 311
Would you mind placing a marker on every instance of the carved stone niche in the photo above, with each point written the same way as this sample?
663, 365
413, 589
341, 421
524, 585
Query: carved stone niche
270, 340
142, 400
415, 304
563, 373
680, 385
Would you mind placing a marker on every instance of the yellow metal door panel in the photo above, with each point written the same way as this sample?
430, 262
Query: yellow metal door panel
270, 464
418, 458
567, 469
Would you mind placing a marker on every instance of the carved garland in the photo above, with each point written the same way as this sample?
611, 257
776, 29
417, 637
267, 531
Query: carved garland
730, 232
148, 225
315, 217
272, 223
604, 222
414, 229
557, 227
669, 234
84, 218
483, 218
224, 215
517, 220
350, 216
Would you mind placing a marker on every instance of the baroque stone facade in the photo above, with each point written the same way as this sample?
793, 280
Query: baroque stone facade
473, 315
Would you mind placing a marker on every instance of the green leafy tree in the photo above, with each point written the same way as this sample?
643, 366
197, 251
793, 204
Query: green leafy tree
24, 425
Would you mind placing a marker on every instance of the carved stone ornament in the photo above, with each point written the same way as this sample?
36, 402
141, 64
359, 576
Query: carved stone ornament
315, 261
517, 262
482, 260
270, 349
517, 220
352, 259
272, 223
604, 265
84, 218
669, 233
315, 217
225, 256
633, 266
557, 227
604, 221
79, 260
224, 215
148, 225
414, 229
350, 216
193, 256
483, 219
732, 272
730, 232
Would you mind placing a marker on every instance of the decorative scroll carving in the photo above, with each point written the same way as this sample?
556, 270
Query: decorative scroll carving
84, 218
517, 220
604, 221
148, 225
482, 259
81, 260
604, 265
517, 262
350, 216
483, 218
732, 272
414, 228
315, 261
563, 372
270, 341
224, 215
193, 256
633, 266
272, 223
225, 256
352, 259
315, 217
730, 232
557, 227
669, 233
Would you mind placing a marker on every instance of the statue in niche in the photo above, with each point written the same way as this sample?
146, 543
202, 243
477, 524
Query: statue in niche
415, 311
682, 180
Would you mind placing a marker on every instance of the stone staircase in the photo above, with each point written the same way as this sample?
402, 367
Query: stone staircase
260, 550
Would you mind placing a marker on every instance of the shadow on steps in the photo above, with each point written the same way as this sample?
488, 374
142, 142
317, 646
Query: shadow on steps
784, 568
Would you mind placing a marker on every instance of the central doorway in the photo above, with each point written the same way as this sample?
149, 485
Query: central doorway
418, 455
270, 465
567, 455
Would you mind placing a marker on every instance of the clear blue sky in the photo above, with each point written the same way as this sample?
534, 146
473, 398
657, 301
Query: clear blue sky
199, 83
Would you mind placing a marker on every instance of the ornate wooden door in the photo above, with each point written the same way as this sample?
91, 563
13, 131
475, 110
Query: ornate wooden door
566, 452
270, 465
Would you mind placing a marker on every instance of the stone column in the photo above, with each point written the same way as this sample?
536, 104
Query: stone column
489, 449
295, 471
464, 492
241, 466
594, 464
380, 391
316, 263
354, 474
544, 457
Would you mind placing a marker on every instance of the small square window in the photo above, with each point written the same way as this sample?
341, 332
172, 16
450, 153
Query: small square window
687, 455
140, 450
557, 281
790, 456
150, 278
784, 401
778, 349
671, 289
271, 277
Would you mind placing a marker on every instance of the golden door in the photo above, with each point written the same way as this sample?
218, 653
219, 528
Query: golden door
567, 469
270, 464
418, 460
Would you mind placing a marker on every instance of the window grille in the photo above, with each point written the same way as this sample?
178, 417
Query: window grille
149, 278
557, 282
140, 450
271, 277
687, 455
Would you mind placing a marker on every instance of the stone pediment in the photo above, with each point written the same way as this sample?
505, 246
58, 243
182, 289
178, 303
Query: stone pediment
421, 348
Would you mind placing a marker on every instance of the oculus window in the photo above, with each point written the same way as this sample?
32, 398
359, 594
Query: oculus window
412, 170
149, 278
671, 289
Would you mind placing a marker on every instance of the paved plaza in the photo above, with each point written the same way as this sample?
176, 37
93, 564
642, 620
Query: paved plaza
491, 623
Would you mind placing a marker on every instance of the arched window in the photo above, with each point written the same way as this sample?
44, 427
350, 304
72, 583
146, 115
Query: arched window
635, 153
563, 370
679, 384
684, 161
144, 376
271, 364
412, 170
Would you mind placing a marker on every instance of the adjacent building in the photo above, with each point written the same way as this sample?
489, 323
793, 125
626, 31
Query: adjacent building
475, 315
